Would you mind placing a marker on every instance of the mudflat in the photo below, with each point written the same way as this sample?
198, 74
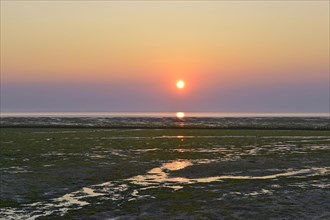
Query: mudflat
194, 172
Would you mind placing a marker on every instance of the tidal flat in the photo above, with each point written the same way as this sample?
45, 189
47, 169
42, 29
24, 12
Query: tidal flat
180, 169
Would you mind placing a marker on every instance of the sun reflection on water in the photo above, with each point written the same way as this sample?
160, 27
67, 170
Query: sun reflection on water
177, 165
180, 115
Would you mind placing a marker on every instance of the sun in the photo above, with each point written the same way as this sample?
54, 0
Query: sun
180, 84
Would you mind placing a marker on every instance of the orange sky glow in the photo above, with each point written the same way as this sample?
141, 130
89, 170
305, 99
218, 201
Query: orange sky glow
214, 44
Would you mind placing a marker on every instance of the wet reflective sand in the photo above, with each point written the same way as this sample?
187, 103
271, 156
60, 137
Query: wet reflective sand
174, 174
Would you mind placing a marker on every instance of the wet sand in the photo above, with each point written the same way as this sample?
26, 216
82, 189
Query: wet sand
164, 173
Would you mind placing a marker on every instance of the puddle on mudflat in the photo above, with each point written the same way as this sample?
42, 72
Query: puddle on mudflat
176, 165
153, 168
157, 177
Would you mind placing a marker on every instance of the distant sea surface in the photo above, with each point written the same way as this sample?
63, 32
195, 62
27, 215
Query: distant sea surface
157, 114
166, 120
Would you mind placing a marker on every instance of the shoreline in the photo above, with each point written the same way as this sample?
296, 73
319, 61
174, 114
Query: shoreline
162, 127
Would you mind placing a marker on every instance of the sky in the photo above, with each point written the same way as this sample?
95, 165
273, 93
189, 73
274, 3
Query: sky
234, 56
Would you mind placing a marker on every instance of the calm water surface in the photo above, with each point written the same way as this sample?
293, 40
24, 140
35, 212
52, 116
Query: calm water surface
156, 114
